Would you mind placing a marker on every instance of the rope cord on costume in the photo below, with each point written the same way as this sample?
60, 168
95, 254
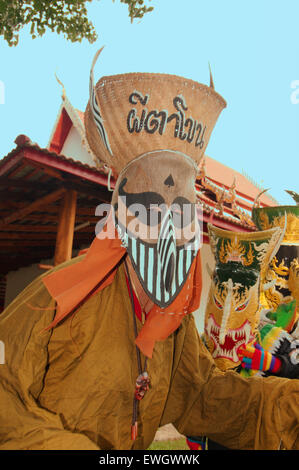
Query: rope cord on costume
142, 382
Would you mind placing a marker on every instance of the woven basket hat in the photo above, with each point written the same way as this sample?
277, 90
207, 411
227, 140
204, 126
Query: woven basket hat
131, 114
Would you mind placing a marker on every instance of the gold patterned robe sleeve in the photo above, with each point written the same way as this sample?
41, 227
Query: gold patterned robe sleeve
239, 413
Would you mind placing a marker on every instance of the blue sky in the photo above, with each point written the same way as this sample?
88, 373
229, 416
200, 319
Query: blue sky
253, 49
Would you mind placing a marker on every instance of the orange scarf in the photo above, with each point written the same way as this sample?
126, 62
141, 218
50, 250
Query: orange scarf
71, 286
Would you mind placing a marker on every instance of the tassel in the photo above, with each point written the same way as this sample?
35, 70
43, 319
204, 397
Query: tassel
134, 431
142, 385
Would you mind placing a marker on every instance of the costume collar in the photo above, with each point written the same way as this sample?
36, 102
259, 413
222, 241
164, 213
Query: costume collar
72, 285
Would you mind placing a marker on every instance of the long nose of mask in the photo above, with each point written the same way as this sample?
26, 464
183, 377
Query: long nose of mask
167, 251
163, 267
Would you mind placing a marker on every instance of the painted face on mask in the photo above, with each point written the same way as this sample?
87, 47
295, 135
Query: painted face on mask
284, 268
231, 315
156, 217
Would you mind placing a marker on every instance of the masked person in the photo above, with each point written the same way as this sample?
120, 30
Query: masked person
284, 268
239, 332
278, 331
103, 350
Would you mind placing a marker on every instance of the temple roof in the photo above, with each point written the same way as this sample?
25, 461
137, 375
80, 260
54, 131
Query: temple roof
33, 180
222, 176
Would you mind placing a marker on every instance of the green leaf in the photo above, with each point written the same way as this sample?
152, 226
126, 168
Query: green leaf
68, 17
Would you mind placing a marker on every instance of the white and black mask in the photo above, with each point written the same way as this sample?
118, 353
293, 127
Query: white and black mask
155, 214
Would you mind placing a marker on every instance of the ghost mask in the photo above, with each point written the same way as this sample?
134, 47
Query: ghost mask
232, 312
152, 130
156, 217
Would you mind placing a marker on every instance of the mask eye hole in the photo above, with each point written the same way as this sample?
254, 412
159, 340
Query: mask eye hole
241, 307
218, 304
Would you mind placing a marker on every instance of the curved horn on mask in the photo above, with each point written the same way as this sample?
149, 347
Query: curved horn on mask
211, 78
279, 241
226, 311
96, 113
209, 270
264, 318
294, 195
256, 201
269, 285
295, 332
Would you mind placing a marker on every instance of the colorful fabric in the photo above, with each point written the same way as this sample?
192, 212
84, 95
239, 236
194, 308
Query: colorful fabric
196, 444
285, 316
275, 341
255, 357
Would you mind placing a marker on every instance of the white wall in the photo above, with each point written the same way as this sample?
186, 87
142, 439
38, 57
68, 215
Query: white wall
16, 281
74, 149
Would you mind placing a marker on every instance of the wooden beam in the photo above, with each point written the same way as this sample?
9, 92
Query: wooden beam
54, 218
81, 226
44, 217
19, 245
13, 195
26, 236
45, 266
24, 258
36, 235
66, 165
40, 228
49, 171
10, 161
17, 169
98, 193
28, 228
36, 205
27, 185
90, 211
65, 232
31, 173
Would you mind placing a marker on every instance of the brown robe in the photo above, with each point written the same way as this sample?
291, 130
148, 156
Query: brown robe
72, 387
